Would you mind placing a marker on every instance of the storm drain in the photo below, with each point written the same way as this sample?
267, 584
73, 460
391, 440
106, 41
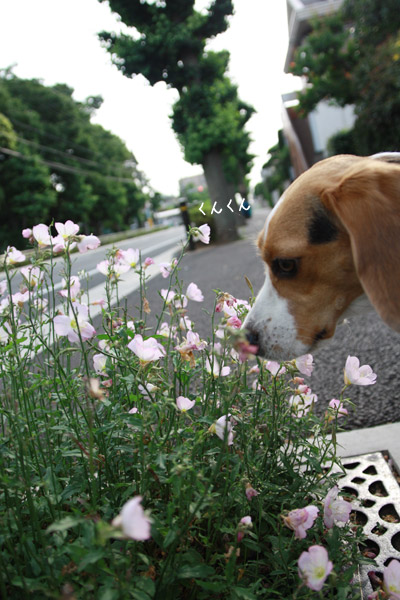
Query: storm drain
376, 501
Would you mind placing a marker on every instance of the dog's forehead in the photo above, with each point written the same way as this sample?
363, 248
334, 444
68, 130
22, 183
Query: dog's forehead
286, 225
299, 218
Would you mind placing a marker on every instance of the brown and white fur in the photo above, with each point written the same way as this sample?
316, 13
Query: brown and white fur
332, 248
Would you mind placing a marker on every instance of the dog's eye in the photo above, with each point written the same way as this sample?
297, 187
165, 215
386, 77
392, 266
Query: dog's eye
285, 267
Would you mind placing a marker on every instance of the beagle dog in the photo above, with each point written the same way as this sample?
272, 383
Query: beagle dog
332, 249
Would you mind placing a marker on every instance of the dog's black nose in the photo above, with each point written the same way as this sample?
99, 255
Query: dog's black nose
252, 337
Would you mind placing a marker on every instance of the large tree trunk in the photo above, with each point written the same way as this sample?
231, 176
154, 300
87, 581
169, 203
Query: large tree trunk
221, 192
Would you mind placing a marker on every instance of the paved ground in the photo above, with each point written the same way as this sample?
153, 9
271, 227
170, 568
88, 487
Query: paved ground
224, 267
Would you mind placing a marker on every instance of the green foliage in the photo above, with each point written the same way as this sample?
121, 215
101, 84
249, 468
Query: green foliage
73, 453
209, 115
327, 60
172, 41
26, 196
342, 143
217, 123
278, 166
353, 57
8, 136
63, 166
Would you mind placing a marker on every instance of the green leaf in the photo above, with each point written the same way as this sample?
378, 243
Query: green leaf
170, 537
243, 593
109, 594
90, 558
193, 571
139, 595
146, 585
211, 585
64, 524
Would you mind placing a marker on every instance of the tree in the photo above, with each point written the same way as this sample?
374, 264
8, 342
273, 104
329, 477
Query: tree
208, 118
353, 57
277, 170
56, 164
26, 197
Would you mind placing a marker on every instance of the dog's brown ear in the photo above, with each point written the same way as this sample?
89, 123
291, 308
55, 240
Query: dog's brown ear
367, 202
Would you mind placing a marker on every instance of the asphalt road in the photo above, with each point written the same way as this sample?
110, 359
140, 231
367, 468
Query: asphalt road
367, 337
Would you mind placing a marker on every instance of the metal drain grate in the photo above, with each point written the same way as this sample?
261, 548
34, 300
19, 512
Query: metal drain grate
376, 500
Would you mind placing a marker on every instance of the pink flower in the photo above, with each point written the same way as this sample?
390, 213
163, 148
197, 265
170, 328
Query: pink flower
244, 524
234, 322
133, 521
194, 293
301, 404
99, 363
167, 295
112, 269
391, 579
193, 341
244, 350
88, 242
303, 389
164, 330
184, 404
223, 428
338, 407
147, 389
69, 325
314, 567
167, 268
301, 519
27, 233
217, 370
146, 350
20, 298
274, 367
201, 234
148, 261
14, 256
250, 492
336, 510
133, 411
67, 230
185, 324
58, 243
74, 288
129, 257
305, 364
357, 375
174, 298
41, 235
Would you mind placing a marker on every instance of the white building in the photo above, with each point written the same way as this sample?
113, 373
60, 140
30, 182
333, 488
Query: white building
307, 137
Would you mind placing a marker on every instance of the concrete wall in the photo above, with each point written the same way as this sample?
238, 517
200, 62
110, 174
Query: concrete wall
325, 121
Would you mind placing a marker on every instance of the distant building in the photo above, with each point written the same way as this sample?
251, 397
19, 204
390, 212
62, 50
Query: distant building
307, 137
195, 181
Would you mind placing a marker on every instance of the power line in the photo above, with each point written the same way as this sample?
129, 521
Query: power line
57, 138
69, 156
66, 168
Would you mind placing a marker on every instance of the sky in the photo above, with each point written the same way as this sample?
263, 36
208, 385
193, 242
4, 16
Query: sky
56, 41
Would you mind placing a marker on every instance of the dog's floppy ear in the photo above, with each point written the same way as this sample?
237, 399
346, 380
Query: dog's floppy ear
367, 202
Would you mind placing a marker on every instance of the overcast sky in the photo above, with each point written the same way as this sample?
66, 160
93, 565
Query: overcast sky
56, 41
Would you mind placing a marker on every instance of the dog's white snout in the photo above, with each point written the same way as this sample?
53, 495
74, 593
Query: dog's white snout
271, 327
